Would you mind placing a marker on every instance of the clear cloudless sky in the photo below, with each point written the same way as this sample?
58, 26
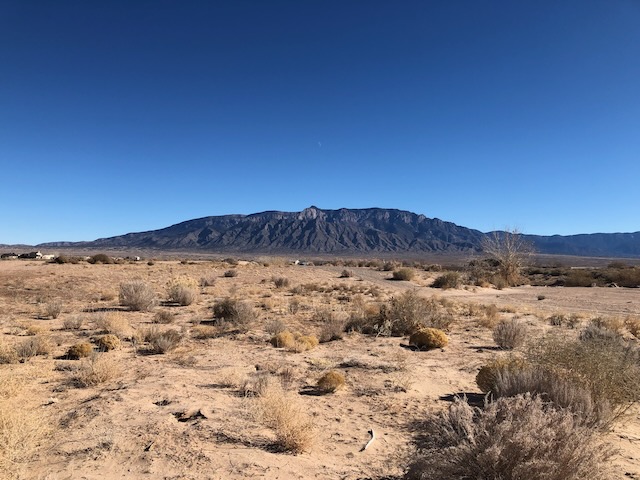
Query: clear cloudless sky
132, 115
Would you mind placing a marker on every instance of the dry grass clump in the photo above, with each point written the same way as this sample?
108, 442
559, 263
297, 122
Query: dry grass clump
346, 274
182, 290
448, 280
509, 377
280, 282
428, 338
34, 329
510, 334
281, 411
33, 346
79, 350
331, 327
403, 274
8, 354
22, 433
96, 369
487, 316
512, 438
283, 339
72, 323
162, 341
52, 309
614, 324
633, 326
113, 323
294, 342
231, 273
108, 342
207, 281
238, 313
331, 381
137, 295
164, 317
607, 367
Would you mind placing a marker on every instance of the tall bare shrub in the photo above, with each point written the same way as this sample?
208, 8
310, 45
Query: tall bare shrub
137, 295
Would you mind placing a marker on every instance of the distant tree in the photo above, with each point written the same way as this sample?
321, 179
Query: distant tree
510, 251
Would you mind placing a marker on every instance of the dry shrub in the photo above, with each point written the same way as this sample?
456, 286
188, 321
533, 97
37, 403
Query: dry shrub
33, 346
96, 369
487, 316
428, 338
8, 354
113, 323
510, 334
595, 332
72, 323
108, 342
203, 332
607, 367
557, 319
256, 383
53, 309
409, 312
182, 290
79, 350
633, 326
162, 341
331, 327
448, 280
231, 273
614, 324
275, 326
137, 295
331, 381
207, 281
280, 282
282, 412
283, 339
34, 330
22, 432
404, 274
164, 317
238, 313
304, 343
512, 438
510, 377
346, 274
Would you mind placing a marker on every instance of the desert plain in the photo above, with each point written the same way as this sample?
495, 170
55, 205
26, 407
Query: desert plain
194, 408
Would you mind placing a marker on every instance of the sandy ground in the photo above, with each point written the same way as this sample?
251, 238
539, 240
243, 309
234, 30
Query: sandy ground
184, 415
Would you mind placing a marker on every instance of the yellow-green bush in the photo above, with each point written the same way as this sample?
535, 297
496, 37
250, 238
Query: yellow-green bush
429, 338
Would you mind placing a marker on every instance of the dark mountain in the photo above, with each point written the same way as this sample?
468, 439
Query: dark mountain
370, 230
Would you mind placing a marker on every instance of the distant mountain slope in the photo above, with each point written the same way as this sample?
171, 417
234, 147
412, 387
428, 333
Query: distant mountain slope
313, 230
369, 230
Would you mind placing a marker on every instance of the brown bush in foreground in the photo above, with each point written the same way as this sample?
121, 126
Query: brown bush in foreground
96, 369
79, 350
108, 342
162, 341
510, 334
512, 438
137, 295
282, 412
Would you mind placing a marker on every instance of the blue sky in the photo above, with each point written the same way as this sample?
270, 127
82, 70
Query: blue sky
126, 116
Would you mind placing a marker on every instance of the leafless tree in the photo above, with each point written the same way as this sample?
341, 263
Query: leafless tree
510, 250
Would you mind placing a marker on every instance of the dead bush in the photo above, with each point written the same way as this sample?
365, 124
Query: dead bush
283, 339
72, 323
331, 327
346, 274
231, 273
280, 282
137, 295
512, 438
79, 350
207, 281
33, 346
331, 381
8, 354
163, 341
182, 291
52, 309
429, 338
108, 342
633, 326
113, 323
164, 317
96, 369
238, 313
510, 334
282, 412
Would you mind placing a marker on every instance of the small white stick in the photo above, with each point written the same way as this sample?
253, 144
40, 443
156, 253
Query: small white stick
373, 437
